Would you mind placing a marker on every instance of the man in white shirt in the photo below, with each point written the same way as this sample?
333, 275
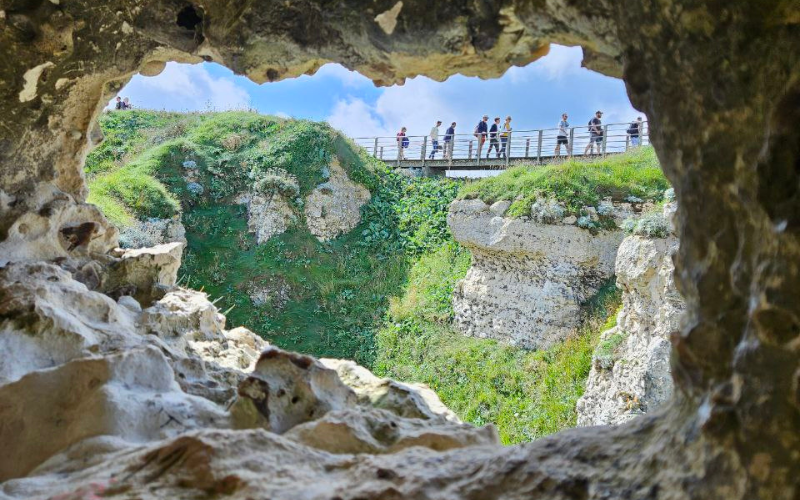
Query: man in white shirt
563, 135
435, 139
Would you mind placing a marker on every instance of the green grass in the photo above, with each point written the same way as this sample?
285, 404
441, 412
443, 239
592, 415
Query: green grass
527, 394
575, 183
380, 294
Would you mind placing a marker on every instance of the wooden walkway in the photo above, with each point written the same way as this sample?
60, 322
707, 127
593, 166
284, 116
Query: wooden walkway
524, 147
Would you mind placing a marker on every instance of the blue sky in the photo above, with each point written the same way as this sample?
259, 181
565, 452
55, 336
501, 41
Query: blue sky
534, 96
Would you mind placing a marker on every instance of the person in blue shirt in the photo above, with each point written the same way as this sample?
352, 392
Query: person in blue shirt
449, 141
481, 130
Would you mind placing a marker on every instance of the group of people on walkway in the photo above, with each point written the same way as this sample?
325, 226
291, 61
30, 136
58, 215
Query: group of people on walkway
498, 135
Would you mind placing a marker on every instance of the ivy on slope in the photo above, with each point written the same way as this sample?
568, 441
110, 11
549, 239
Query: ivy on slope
326, 299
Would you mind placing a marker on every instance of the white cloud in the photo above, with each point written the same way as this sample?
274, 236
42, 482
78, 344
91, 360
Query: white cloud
560, 62
281, 114
350, 79
416, 105
185, 87
356, 118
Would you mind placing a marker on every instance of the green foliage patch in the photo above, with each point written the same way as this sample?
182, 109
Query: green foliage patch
635, 175
527, 394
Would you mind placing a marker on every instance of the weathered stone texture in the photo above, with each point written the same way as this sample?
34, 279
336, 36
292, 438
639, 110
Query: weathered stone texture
631, 371
334, 208
719, 84
528, 280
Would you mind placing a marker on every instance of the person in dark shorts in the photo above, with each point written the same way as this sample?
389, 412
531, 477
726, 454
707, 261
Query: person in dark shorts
449, 141
595, 133
494, 141
562, 137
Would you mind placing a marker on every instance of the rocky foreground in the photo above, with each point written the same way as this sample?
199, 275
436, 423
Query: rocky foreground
114, 380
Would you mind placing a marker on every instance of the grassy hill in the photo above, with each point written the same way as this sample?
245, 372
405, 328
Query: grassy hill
379, 294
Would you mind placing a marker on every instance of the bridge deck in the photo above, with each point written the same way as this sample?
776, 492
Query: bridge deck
522, 147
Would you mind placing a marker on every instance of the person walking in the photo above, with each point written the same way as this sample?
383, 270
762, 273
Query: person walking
402, 143
562, 137
481, 129
119, 105
126, 104
595, 133
504, 136
435, 139
635, 131
449, 141
493, 138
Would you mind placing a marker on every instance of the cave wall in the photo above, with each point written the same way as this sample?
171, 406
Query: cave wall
720, 83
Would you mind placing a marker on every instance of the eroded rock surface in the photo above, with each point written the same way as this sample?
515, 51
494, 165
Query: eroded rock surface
267, 215
631, 368
528, 280
87, 380
732, 430
334, 208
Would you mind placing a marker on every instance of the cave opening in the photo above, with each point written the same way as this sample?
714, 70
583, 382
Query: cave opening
730, 431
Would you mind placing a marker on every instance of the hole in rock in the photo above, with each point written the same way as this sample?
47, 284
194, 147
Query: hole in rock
309, 221
189, 18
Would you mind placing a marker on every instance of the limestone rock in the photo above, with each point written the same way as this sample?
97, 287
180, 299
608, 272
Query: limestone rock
132, 395
267, 215
143, 269
48, 319
376, 431
40, 226
152, 232
334, 208
528, 280
404, 399
286, 389
631, 369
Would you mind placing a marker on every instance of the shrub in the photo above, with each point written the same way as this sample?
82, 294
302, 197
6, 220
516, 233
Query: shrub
651, 224
575, 184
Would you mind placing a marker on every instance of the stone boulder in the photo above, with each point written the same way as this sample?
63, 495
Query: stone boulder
631, 372
528, 280
286, 389
404, 399
141, 272
268, 215
380, 431
334, 208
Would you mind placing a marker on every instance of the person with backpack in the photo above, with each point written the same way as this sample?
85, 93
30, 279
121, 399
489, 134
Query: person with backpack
449, 141
635, 131
435, 139
402, 143
504, 136
562, 137
595, 133
493, 139
481, 129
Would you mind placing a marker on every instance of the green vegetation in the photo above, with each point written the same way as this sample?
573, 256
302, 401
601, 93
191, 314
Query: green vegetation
327, 299
380, 294
633, 176
527, 394
606, 353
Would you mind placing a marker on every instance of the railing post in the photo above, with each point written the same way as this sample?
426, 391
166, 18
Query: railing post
508, 148
527, 147
627, 141
381, 152
424, 148
571, 140
605, 138
469, 154
375, 149
539, 148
